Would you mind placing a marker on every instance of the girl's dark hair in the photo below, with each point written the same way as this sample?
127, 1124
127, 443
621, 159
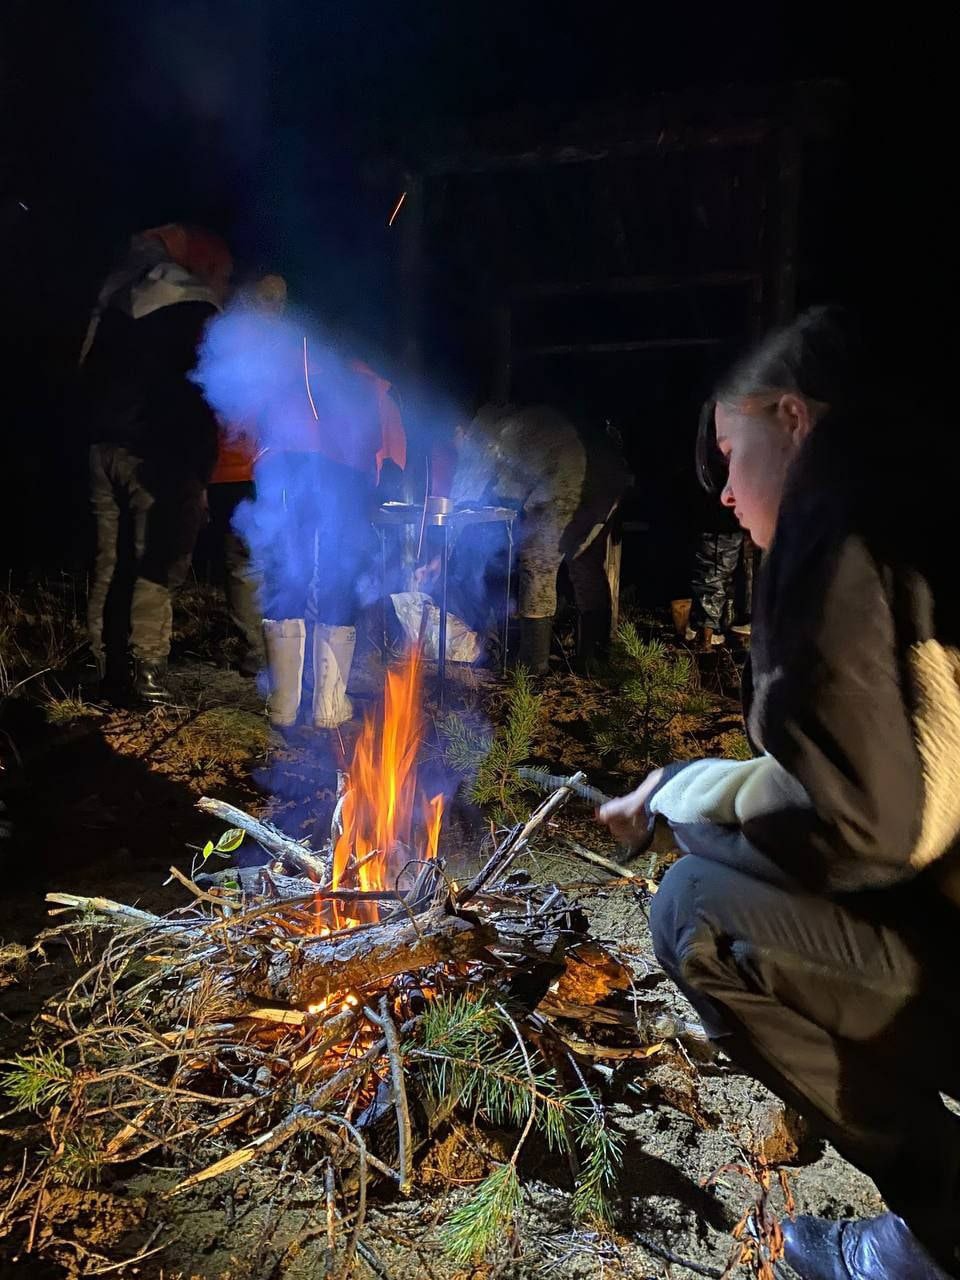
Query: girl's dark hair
817, 357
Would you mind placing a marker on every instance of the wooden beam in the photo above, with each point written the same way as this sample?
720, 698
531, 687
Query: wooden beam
643, 344
411, 278
633, 284
667, 139
503, 372
790, 158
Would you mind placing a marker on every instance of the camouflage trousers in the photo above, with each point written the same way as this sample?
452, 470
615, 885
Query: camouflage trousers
147, 521
711, 586
240, 578
549, 539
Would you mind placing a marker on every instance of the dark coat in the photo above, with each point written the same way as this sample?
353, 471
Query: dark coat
855, 691
135, 389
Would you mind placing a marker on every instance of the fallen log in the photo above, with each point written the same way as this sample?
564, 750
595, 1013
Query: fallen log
309, 970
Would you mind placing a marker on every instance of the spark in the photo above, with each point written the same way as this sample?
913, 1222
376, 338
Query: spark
396, 208
306, 378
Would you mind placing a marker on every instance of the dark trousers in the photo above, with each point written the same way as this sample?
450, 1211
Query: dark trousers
147, 521
240, 579
711, 586
847, 1008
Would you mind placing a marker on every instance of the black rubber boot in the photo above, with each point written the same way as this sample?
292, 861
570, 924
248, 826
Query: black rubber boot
149, 687
881, 1248
593, 640
534, 649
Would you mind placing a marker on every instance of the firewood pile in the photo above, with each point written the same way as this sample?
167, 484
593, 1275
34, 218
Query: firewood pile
287, 1000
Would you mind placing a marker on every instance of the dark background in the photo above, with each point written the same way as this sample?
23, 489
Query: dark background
270, 121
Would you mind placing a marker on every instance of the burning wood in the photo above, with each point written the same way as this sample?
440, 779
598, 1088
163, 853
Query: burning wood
353, 992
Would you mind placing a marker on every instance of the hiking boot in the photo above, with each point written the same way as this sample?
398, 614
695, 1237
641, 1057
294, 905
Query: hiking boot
149, 686
593, 640
881, 1248
707, 639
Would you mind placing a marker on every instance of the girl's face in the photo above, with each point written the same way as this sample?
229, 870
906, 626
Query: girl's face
759, 439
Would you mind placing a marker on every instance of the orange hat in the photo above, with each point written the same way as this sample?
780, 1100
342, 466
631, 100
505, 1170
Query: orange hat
198, 251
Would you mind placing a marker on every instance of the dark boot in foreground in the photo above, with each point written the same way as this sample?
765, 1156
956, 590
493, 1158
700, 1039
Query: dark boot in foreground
881, 1248
149, 684
534, 649
593, 640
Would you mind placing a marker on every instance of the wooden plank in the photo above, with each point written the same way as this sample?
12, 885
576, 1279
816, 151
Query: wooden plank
789, 176
503, 373
643, 344
667, 139
411, 277
611, 565
634, 284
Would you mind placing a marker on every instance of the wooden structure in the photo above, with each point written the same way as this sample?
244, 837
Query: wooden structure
666, 226
613, 260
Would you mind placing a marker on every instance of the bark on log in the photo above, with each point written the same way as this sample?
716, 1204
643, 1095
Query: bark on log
312, 970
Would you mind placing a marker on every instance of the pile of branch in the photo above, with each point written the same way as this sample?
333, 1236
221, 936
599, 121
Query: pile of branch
222, 1032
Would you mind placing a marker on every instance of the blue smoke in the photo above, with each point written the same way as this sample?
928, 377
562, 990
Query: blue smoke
282, 385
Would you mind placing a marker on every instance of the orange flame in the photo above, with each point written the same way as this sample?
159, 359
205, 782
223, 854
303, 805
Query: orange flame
380, 826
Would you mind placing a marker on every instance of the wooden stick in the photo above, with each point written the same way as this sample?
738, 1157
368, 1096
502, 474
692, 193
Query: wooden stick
119, 910
608, 864
518, 839
405, 1131
275, 842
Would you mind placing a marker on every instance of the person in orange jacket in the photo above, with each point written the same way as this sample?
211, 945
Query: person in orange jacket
326, 428
230, 484
320, 474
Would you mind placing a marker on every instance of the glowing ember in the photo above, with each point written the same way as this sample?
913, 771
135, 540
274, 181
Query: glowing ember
396, 209
387, 824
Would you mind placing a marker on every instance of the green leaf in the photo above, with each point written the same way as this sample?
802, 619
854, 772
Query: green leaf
207, 850
231, 839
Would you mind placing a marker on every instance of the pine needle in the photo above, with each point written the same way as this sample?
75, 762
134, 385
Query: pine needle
473, 1228
37, 1081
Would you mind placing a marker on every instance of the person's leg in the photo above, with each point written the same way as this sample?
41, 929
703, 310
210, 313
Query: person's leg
714, 563
280, 528
345, 559
240, 580
106, 512
168, 511
845, 1009
591, 594
538, 563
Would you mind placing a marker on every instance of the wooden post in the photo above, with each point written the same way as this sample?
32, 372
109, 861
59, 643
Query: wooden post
611, 566
789, 154
411, 278
503, 371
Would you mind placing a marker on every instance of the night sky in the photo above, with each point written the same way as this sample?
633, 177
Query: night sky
261, 117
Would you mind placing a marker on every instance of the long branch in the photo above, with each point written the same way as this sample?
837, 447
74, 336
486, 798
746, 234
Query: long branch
518, 839
275, 842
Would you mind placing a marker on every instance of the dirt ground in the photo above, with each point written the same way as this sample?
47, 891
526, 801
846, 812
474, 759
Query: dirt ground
103, 801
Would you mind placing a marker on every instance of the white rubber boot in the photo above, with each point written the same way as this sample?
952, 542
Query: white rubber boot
285, 640
332, 659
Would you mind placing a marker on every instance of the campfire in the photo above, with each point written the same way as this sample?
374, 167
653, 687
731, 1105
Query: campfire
373, 831
353, 992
